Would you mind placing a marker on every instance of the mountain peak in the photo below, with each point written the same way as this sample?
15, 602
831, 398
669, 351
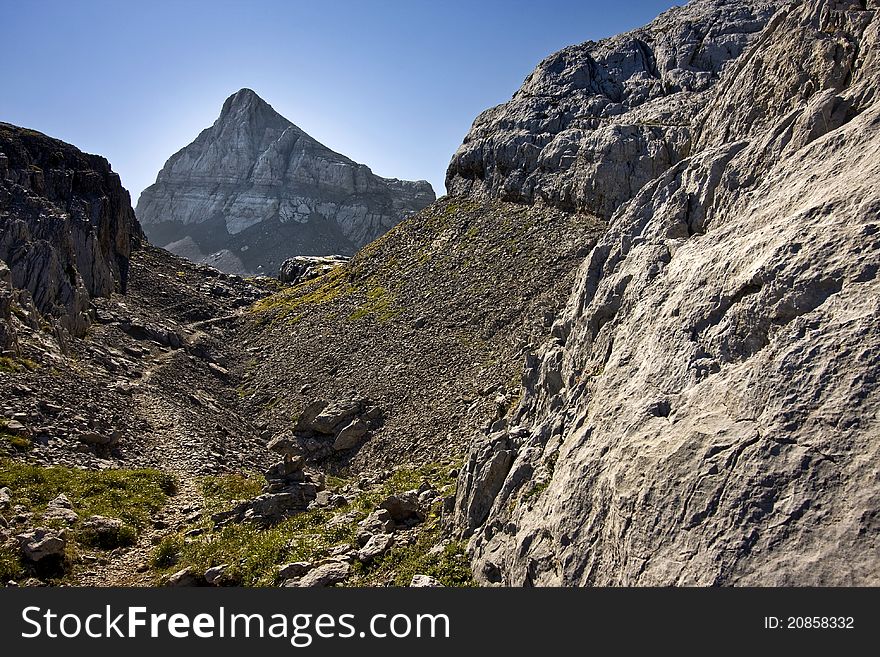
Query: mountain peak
243, 100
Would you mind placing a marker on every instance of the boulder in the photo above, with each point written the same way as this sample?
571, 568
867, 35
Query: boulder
5, 497
106, 533
376, 546
42, 543
294, 570
378, 522
349, 436
403, 508
218, 575
325, 575
285, 446
184, 577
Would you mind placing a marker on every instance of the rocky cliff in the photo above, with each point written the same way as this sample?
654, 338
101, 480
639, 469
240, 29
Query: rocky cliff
597, 121
260, 190
66, 226
706, 410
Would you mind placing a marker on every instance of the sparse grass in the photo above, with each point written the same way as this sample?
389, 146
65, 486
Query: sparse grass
535, 491
450, 565
10, 442
379, 303
220, 490
133, 496
10, 564
315, 292
253, 554
13, 364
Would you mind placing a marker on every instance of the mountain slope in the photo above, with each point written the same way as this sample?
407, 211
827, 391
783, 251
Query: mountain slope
707, 410
258, 187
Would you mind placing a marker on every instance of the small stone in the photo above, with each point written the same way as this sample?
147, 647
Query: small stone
61, 502
184, 577
378, 545
330, 573
424, 581
17, 428
215, 576
294, 570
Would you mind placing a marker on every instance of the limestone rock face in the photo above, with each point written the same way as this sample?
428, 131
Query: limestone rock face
66, 225
258, 187
595, 122
707, 410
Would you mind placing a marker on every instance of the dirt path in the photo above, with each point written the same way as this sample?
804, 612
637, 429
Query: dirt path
176, 446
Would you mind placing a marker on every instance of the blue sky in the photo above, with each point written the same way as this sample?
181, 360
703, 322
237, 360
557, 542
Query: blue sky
392, 84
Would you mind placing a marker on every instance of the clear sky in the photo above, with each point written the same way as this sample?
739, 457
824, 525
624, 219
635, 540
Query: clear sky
394, 84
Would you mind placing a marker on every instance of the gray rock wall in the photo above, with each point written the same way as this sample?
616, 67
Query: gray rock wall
707, 410
66, 225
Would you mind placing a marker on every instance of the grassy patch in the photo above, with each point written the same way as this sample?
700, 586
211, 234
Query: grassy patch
133, 496
379, 303
10, 564
315, 292
253, 554
13, 364
220, 490
450, 565
10, 442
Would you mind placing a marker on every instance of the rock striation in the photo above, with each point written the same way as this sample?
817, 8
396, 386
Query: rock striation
706, 410
67, 228
259, 190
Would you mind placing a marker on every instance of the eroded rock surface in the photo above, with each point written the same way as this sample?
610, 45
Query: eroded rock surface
66, 228
706, 412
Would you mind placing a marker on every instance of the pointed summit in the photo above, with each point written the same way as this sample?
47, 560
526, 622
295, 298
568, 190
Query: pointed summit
258, 189
243, 99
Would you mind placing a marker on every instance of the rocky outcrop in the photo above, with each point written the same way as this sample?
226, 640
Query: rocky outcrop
595, 122
66, 226
261, 190
706, 412
298, 270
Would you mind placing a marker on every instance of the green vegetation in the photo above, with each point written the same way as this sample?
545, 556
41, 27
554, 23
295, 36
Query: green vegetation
13, 364
133, 496
10, 442
535, 491
379, 303
10, 564
449, 565
253, 554
319, 291
105, 540
220, 490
